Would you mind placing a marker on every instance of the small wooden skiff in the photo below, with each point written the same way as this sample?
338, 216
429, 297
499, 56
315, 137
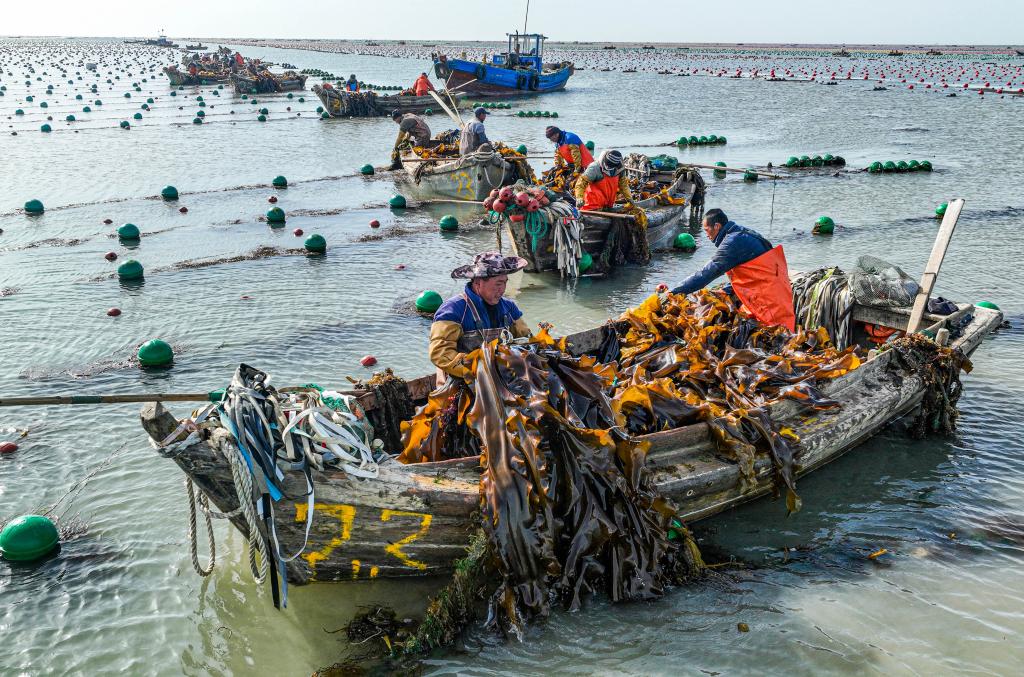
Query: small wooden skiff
415, 520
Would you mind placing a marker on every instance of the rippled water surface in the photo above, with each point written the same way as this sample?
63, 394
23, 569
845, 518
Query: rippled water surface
123, 598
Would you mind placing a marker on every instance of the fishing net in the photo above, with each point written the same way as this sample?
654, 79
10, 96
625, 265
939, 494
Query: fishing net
875, 282
567, 502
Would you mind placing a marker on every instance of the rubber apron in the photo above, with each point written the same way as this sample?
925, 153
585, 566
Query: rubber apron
471, 340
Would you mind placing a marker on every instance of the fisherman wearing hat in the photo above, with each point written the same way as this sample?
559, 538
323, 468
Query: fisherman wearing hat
569, 149
602, 182
479, 314
473, 134
352, 84
410, 126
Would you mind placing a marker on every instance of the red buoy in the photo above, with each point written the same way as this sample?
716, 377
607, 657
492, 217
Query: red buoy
272, 199
8, 447
368, 361
113, 312
297, 232
375, 224
110, 256
107, 221
183, 210
400, 266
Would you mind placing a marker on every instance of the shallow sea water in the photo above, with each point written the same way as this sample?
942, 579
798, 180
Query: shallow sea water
123, 597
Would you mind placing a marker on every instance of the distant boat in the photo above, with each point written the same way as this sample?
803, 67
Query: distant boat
160, 41
608, 47
933, 52
841, 52
895, 52
198, 47
519, 70
647, 47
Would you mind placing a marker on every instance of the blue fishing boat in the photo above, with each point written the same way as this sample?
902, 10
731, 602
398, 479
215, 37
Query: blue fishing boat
518, 70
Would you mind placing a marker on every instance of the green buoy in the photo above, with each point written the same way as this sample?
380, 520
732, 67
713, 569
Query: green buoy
875, 167
940, 211
925, 166
366, 170
720, 173
824, 225
586, 261
45, 128
397, 201
316, 244
69, 118
130, 270
155, 353
197, 121
682, 141
750, 175
169, 193
987, 304
685, 242
128, 231
275, 215
521, 149
428, 302
889, 167
265, 111
448, 222
722, 140
28, 538
279, 182
324, 115
261, 117
589, 145
34, 207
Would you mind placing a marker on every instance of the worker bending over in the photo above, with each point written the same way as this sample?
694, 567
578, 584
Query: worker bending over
410, 127
756, 270
602, 182
479, 314
569, 149
422, 85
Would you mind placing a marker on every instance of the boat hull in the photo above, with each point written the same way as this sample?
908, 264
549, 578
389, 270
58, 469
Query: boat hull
465, 77
416, 520
342, 104
664, 222
247, 85
470, 178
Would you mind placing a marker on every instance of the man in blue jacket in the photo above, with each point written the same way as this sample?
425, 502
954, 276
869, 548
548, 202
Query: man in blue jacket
736, 245
757, 271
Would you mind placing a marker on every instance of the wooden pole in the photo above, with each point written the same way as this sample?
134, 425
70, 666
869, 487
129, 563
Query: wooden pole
111, 399
731, 169
931, 271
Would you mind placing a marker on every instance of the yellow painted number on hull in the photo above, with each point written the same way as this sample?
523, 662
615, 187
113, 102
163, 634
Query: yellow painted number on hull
345, 514
463, 185
396, 547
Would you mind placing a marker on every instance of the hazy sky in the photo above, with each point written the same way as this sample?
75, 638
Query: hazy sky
996, 22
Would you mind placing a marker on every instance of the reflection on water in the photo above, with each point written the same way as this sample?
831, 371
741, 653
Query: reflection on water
122, 597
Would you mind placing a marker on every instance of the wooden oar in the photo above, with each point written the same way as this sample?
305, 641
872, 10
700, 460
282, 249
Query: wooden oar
214, 396
931, 271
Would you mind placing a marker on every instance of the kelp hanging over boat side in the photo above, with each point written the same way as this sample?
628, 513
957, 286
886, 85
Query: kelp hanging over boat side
568, 506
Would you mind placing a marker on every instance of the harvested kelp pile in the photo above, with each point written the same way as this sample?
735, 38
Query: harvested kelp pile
567, 503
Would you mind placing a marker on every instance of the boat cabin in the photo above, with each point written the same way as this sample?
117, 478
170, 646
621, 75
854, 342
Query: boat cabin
525, 50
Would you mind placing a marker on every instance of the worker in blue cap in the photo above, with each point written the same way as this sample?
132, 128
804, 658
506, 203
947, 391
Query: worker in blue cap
473, 134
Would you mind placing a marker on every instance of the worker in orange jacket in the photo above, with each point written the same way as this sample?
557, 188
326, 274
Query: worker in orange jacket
423, 85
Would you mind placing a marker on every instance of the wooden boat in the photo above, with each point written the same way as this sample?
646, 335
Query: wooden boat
663, 224
247, 83
340, 103
194, 48
467, 178
519, 70
180, 78
415, 520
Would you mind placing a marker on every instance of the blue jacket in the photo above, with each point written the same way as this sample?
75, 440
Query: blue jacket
568, 138
455, 309
736, 245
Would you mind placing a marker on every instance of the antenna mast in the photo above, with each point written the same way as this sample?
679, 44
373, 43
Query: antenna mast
527, 17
